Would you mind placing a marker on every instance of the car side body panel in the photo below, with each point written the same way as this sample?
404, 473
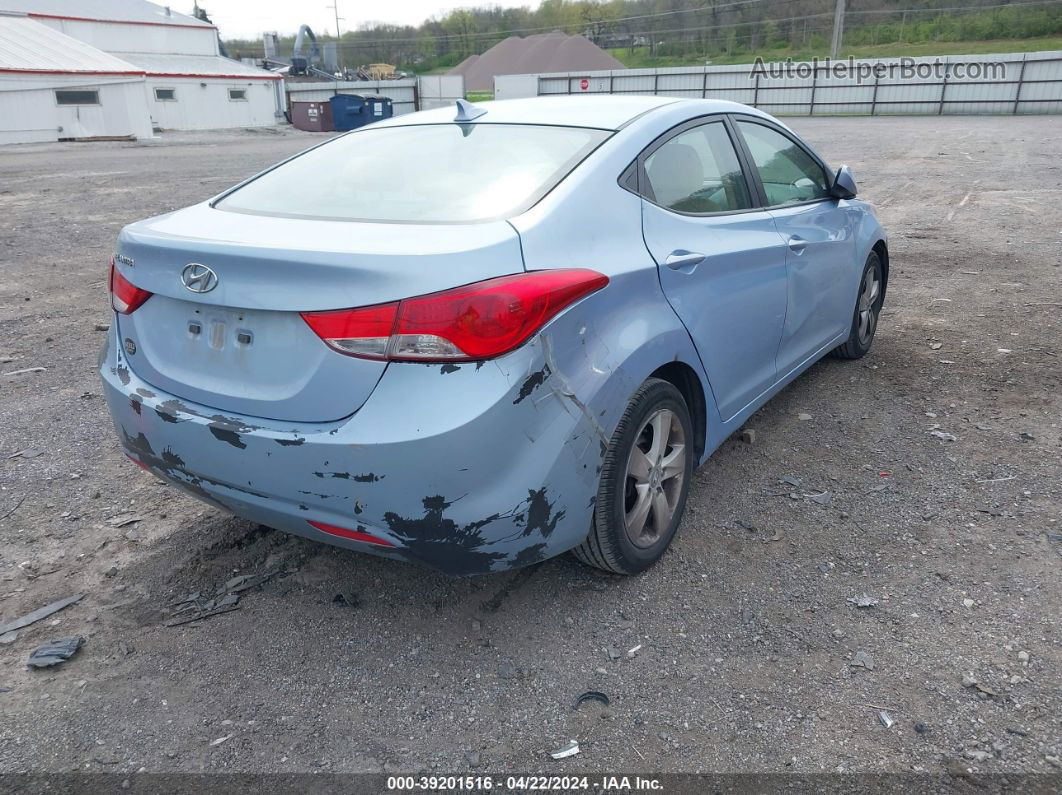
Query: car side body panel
471, 467
639, 331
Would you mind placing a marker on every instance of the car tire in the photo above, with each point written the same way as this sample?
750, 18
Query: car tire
642, 479
869, 300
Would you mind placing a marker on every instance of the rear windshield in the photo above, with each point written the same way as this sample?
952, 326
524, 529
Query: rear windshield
445, 173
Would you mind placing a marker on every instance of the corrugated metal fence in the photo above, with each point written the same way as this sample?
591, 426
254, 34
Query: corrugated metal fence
1011, 83
420, 93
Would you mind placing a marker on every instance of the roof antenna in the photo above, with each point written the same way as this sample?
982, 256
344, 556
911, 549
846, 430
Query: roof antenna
467, 112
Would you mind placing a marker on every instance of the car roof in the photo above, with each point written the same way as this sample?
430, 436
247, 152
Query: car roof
604, 111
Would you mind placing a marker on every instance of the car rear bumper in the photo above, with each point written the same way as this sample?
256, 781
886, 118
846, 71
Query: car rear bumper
466, 468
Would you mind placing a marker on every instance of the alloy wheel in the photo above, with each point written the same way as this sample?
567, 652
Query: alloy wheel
656, 468
867, 309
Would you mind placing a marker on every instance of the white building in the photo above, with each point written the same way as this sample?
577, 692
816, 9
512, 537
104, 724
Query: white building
135, 65
54, 87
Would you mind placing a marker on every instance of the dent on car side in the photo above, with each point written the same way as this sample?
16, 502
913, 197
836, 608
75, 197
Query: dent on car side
648, 346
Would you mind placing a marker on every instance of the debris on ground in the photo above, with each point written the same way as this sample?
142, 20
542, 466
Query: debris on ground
803, 417
197, 609
55, 651
123, 520
27, 370
862, 660
348, 598
39, 613
29, 452
197, 605
748, 436
591, 695
220, 740
981, 687
247, 581
632, 653
886, 719
9, 637
571, 749
822, 498
863, 601
944, 436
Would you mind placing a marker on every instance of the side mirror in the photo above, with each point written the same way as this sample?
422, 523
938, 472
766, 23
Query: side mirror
844, 184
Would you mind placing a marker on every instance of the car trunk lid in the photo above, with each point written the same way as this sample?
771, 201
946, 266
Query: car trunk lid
242, 346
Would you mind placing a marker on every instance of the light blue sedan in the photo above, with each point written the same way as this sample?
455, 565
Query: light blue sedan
477, 338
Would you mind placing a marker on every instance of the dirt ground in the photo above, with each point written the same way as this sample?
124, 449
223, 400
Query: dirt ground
746, 633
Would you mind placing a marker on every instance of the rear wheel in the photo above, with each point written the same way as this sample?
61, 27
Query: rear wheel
644, 482
868, 306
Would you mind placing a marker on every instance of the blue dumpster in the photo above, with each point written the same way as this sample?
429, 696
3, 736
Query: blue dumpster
378, 108
350, 111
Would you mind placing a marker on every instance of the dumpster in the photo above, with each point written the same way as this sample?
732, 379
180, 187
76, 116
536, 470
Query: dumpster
312, 116
379, 108
351, 111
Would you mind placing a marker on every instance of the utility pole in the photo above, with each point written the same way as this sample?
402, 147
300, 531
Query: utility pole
339, 40
838, 28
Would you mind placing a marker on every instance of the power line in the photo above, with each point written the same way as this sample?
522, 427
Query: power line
373, 42
507, 33
583, 24
969, 9
739, 24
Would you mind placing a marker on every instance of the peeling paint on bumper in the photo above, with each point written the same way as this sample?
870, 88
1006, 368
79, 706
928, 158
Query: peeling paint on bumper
465, 468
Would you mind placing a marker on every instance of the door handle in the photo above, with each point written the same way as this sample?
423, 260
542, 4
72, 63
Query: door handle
797, 244
680, 258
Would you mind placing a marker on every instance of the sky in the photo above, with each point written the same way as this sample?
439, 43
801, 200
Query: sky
248, 19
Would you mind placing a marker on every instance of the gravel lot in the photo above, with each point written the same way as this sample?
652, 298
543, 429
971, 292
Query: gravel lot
749, 628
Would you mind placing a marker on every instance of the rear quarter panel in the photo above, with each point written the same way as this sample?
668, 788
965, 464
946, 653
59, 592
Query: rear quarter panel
600, 352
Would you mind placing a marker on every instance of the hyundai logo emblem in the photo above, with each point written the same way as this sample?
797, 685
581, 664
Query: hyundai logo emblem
199, 278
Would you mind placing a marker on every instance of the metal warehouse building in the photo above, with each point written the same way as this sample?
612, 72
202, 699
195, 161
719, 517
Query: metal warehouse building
101, 68
53, 87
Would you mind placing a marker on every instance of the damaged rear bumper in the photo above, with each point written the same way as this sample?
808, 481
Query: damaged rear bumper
466, 468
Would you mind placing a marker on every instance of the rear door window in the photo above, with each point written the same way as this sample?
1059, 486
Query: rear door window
440, 173
790, 175
698, 172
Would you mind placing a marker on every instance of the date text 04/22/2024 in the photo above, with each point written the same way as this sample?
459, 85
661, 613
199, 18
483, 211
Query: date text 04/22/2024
400, 784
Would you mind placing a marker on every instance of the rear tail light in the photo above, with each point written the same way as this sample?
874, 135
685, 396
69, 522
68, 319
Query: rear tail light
477, 321
126, 297
353, 535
